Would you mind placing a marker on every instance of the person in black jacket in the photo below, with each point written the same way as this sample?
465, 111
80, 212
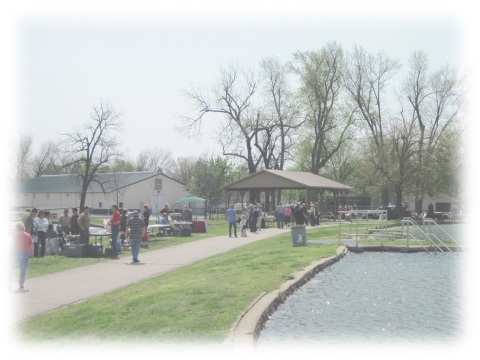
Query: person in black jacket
74, 228
253, 223
299, 216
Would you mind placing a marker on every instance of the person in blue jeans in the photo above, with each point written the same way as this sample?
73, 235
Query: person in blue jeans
115, 224
22, 249
280, 216
232, 221
135, 227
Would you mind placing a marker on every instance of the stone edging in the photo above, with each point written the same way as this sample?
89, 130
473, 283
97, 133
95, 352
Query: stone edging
248, 326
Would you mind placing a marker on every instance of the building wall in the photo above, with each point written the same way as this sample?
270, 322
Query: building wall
132, 197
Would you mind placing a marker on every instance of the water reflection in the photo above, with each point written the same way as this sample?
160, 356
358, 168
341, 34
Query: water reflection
379, 297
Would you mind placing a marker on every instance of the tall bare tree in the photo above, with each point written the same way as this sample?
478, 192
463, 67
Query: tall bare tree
435, 99
276, 141
366, 77
231, 97
93, 145
329, 119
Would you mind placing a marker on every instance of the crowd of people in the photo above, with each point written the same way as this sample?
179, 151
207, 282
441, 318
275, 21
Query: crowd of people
253, 215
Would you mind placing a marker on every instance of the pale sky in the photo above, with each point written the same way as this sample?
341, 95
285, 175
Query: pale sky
60, 58
65, 65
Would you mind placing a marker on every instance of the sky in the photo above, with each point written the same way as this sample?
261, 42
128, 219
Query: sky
59, 59
66, 65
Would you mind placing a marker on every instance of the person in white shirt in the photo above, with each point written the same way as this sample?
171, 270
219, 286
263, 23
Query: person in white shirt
41, 225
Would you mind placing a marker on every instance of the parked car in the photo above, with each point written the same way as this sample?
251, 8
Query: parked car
391, 214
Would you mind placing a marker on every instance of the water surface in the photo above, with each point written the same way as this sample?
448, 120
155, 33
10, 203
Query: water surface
374, 297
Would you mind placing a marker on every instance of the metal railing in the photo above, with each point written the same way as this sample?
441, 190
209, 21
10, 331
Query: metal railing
427, 234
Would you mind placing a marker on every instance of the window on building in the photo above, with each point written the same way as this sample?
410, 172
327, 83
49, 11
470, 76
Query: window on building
100, 204
158, 184
120, 205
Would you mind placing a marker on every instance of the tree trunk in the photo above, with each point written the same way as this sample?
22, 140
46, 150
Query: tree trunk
384, 198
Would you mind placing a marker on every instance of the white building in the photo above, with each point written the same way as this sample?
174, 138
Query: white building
441, 202
127, 190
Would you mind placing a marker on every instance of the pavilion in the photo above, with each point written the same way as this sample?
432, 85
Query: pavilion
269, 180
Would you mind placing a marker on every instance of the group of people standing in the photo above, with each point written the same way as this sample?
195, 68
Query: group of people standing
299, 212
39, 223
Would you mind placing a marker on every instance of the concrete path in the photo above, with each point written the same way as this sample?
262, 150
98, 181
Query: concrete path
54, 291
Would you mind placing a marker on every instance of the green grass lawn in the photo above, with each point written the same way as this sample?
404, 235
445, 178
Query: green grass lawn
196, 303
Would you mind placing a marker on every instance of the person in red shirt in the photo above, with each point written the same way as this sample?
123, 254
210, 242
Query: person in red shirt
115, 224
22, 250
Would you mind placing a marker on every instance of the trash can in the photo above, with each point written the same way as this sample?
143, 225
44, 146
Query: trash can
299, 235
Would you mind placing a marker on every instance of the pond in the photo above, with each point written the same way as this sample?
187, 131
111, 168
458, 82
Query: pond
374, 297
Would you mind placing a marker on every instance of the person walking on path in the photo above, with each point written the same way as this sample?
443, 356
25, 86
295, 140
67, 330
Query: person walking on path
135, 226
83, 222
280, 216
22, 250
41, 225
64, 222
232, 221
115, 224
74, 228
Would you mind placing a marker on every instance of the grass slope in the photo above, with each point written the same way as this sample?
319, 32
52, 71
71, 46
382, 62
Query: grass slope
195, 303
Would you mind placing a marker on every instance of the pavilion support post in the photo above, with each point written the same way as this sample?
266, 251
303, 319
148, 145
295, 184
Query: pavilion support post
267, 201
321, 205
242, 194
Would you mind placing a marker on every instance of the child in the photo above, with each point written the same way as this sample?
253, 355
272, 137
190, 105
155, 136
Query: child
244, 226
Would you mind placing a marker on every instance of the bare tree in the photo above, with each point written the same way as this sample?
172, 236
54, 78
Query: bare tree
231, 97
23, 153
45, 162
182, 170
436, 102
94, 145
154, 159
329, 119
276, 141
366, 77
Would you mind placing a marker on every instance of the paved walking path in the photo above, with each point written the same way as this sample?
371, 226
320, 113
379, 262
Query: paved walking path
53, 291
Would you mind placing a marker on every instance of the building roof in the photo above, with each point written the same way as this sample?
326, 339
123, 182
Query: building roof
67, 183
283, 179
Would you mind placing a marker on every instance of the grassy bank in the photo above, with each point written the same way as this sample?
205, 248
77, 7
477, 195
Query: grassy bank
194, 303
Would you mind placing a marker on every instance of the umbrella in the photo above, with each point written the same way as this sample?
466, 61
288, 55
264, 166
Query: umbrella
188, 199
